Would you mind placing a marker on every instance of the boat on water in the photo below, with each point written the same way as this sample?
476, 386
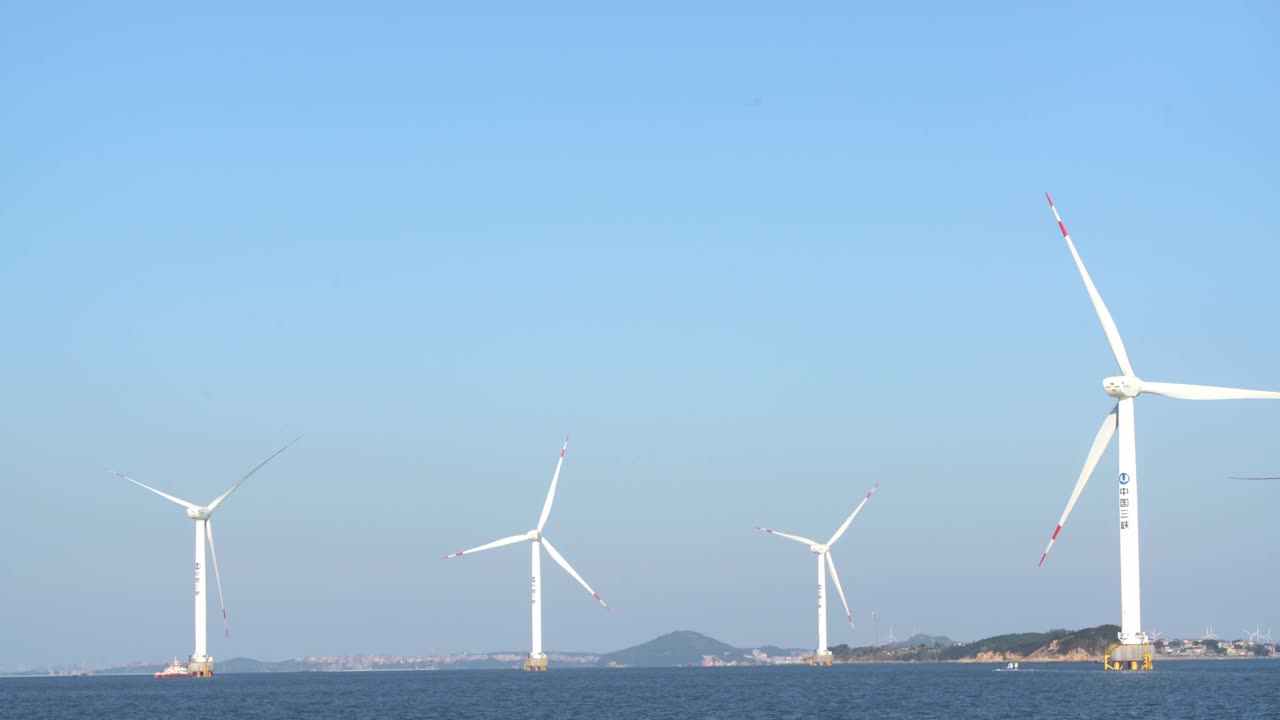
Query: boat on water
175, 670
1011, 667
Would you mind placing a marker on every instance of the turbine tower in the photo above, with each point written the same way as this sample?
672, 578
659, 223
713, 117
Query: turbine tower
1134, 649
201, 664
823, 551
537, 660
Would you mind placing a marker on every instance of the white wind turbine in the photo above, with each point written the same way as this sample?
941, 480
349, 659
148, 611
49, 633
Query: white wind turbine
201, 664
1125, 388
823, 551
537, 660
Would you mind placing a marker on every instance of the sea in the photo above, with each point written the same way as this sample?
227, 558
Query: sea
1175, 689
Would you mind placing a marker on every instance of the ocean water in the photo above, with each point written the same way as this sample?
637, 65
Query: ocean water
1176, 689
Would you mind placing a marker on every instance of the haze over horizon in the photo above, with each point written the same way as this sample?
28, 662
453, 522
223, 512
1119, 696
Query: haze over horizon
754, 261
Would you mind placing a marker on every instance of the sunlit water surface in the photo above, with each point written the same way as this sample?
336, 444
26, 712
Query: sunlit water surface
1176, 689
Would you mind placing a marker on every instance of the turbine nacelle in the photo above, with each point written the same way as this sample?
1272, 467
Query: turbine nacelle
198, 513
534, 535
819, 549
1122, 386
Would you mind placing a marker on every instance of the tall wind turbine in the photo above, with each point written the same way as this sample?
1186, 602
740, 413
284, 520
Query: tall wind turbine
1125, 388
201, 665
537, 660
823, 551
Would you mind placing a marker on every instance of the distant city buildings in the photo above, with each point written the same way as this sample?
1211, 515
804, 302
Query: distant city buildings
1208, 648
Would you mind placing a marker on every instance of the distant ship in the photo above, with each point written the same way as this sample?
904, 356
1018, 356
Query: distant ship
175, 670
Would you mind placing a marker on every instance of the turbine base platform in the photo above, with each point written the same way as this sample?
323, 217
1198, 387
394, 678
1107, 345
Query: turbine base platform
1129, 657
201, 668
821, 659
535, 664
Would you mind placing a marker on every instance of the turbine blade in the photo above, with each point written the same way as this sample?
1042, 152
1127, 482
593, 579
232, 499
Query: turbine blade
1205, 392
831, 565
1262, 477
1104, 316
214, 505
166, 496
551, 494
567, 568
1100, 442
217, 576
797, 538
489, 546
856, 510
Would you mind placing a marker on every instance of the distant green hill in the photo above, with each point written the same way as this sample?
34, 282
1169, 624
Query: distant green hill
683, 647
1052, 645
249, 665
921, 639
1087, 644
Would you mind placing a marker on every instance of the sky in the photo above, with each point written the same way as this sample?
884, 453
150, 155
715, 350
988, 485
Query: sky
754, 258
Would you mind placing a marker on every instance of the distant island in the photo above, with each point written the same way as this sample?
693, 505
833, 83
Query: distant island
685, 648
1088, 645
694, 649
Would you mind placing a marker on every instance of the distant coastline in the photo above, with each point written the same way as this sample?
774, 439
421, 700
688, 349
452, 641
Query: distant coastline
686, 648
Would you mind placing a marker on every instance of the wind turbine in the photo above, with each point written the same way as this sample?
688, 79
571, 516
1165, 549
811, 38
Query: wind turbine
1209, 634
823, 551
201, 665
537, 660
1125, 388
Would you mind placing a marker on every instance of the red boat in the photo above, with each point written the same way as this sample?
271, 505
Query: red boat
175, 670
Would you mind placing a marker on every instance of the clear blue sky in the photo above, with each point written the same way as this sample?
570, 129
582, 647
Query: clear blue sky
754, 258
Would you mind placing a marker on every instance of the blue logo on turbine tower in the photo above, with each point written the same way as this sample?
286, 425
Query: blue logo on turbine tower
1124, 478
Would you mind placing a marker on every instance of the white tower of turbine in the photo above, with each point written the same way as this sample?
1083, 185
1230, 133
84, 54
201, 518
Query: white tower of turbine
1134, 649
537, 660
201, 664
823, 551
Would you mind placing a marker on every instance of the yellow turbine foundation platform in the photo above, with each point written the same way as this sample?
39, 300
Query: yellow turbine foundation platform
535, 664
1129, 657
821, 659
200, 669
